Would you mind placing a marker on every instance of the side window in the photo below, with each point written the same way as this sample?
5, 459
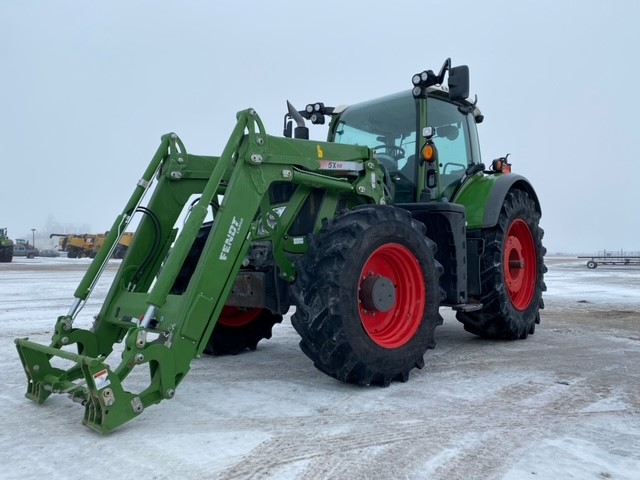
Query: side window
474, 141
452, 141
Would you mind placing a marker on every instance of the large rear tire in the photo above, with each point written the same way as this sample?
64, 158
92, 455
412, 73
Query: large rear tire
367, 296
512, 270
6, 254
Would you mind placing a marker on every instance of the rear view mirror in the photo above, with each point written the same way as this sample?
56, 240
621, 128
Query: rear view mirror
459, 82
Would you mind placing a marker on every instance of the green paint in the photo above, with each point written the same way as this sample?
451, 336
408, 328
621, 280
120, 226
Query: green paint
164, 324
182, 324
474, 195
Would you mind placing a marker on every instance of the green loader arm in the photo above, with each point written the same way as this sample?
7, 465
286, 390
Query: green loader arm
162, 328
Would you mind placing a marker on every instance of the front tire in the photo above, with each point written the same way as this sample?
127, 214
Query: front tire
367, 296
237, 329
512, 271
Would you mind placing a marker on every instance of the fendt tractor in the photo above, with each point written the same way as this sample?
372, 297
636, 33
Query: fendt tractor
6, 247
367, 235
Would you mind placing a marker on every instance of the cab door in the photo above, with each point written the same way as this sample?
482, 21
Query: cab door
453, 138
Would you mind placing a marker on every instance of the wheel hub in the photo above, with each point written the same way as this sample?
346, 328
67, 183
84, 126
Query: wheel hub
391, 295
516, 264
377, 294
519, 264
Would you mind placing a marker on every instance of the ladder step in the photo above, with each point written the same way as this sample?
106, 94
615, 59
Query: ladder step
468, 307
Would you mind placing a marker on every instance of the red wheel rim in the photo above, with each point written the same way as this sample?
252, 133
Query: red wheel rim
238, 317
395, 327
519, 264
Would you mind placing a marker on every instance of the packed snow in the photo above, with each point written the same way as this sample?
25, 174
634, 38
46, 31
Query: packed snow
563, 404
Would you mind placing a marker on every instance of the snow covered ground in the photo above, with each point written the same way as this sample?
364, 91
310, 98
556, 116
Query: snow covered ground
563, 404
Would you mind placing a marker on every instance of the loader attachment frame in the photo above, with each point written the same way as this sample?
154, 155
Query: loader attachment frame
163, 329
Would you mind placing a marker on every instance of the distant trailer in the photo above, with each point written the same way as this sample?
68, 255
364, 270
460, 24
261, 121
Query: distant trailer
625, 260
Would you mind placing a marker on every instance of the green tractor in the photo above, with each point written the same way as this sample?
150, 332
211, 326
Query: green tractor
367, 235
6, 247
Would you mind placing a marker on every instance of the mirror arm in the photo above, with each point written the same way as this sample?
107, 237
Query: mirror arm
445, 66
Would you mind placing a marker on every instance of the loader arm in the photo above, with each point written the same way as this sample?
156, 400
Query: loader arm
163, 328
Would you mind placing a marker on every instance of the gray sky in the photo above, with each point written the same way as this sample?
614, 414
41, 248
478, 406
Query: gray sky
87, 88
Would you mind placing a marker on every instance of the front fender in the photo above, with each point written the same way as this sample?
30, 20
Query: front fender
483, 196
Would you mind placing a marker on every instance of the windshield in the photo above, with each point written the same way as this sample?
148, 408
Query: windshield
387, 125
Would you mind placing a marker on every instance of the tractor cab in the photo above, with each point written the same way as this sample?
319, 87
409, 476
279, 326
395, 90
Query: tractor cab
394, 128
401, 128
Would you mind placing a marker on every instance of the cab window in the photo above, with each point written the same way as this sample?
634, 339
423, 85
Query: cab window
452, 141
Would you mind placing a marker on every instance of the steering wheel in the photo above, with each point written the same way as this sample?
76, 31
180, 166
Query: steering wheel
389, 158
391, 150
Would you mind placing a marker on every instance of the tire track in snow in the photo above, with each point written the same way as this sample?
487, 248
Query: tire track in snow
489, 443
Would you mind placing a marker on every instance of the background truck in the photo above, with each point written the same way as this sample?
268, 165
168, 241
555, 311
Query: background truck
93, 244
88, 244
6, 246
367, 234
22, 248
75, 245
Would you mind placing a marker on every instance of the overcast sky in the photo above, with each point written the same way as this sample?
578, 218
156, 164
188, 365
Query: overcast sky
88, 88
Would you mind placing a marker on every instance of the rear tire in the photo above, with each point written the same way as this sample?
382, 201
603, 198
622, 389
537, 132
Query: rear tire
512, 271
6, 254
591, 264
367, 296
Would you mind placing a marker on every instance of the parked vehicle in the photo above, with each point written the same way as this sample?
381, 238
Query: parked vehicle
23, 248
49, 253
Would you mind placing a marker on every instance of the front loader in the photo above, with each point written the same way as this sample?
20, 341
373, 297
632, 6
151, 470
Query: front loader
366, 234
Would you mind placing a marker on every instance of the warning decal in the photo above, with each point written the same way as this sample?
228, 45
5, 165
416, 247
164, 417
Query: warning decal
101, 379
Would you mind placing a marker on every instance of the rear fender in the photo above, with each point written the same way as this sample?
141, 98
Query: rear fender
483, 196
